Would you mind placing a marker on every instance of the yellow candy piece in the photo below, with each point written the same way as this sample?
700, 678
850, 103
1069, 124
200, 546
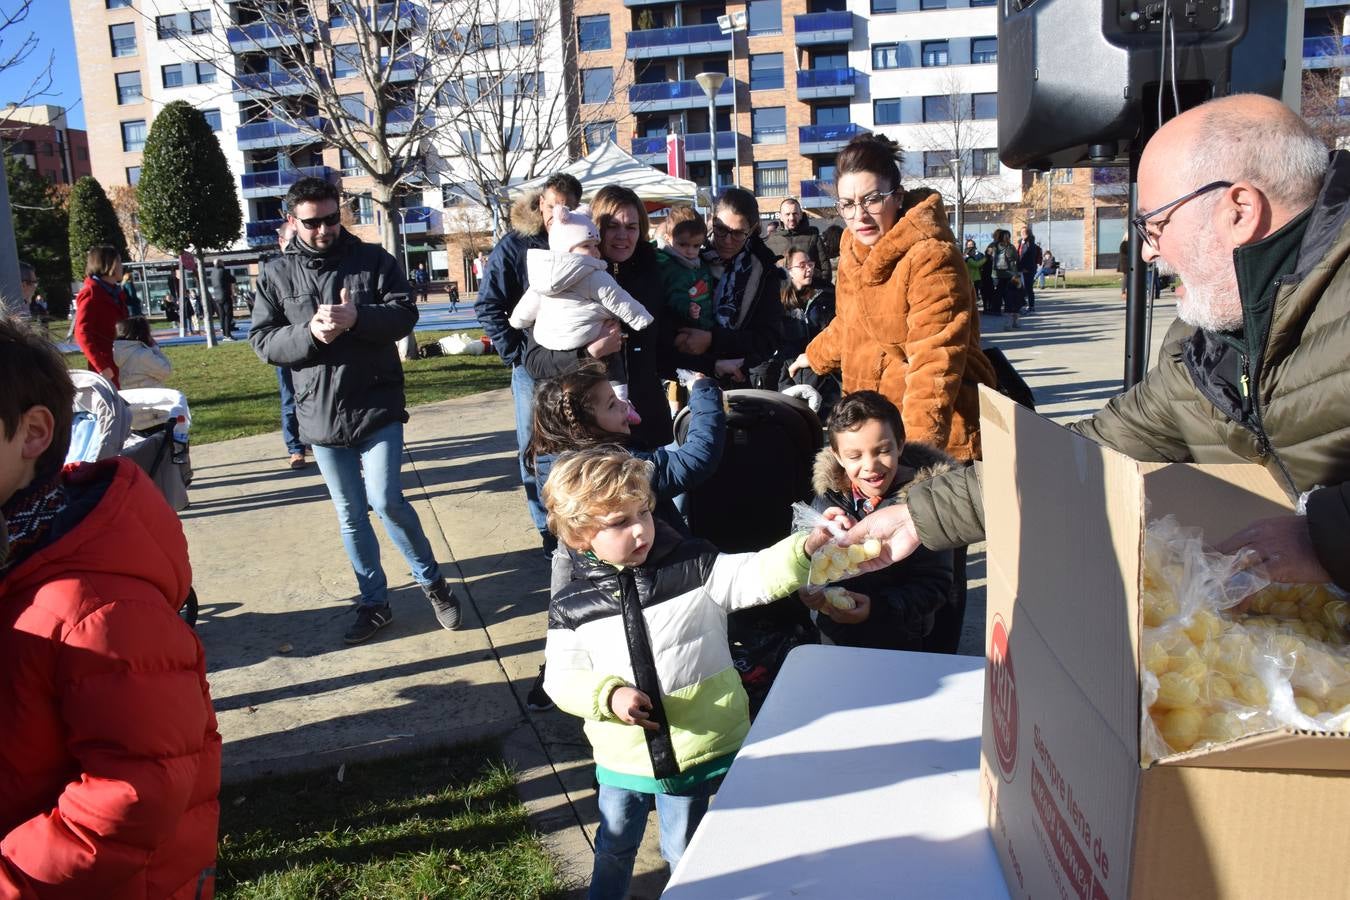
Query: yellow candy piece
872, 547
839, 598
1181, 727
856, 554
1204, 626
1307, 706
1249, 691
1215, 689
1176, 691
1336, 613
1156, 659
1221, 727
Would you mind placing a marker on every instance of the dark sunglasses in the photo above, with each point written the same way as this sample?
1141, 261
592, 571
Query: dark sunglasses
329, 220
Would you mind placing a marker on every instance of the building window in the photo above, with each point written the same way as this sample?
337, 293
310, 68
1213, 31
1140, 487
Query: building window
886, 112
206, 73
937, 163
771, 179
346, 60
766, 71
123, 38
829, 61
984, 106
212, 118
133, 136
172, 75
133, 175
166, 26
354, 105
364, 212
598, 133
827, 172
593, 33
885, 56
984, 50
932, 4
984, 161
884, 6
526, 84
768, 125
201, 21
766, 16
597, 85
934, 53
117, 4
983, 2
351, 166
128, 88
831, 115
937, 109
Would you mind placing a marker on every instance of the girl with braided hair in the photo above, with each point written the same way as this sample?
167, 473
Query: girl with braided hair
579, 410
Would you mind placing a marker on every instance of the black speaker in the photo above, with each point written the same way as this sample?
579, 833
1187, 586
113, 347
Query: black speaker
1079, 80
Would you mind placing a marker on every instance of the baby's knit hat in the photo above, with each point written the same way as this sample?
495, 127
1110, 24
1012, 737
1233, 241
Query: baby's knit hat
570, 228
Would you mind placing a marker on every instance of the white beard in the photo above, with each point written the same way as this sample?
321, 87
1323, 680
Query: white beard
1211, 300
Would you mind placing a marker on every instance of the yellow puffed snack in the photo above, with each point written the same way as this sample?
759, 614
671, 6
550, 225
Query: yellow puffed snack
1176, 691
1307, 706
1221, 727
1181, 727
1248, 690
839, 598
1204, 626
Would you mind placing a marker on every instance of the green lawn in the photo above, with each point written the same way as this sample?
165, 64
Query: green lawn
1092, 281
443, 824
233, 394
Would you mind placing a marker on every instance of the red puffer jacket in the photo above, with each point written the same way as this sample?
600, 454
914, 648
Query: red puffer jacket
110, 762
98, 309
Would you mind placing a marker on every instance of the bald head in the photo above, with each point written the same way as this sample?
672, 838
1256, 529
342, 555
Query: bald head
1243, 138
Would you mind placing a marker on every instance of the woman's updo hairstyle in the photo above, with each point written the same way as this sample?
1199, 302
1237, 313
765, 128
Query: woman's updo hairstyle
741, 202
874, 153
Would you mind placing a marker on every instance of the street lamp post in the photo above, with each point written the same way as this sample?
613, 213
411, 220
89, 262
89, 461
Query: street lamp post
955, 163
730, 24
711, 82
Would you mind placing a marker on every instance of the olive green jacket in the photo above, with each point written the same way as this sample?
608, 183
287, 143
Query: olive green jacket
1276, 394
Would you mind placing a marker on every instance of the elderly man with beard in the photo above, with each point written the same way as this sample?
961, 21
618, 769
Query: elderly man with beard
1245, 207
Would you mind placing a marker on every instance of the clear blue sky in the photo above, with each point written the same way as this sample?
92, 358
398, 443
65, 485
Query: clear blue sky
50, 21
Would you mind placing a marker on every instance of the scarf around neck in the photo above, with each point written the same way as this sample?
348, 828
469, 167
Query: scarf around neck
730, 291
27, 519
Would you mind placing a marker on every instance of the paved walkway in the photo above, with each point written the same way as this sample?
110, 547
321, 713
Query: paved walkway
276, 592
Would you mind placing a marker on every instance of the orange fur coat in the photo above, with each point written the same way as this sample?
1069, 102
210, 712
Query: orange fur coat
906, 326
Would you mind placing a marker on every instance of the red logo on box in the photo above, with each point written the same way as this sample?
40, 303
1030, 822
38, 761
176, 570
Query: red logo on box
1003, 699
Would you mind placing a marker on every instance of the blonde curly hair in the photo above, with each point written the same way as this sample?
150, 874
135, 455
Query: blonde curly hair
587, 485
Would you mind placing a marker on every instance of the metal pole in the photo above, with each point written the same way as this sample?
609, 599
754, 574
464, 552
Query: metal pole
1049, 209
712, 146
735, 112
1136, 340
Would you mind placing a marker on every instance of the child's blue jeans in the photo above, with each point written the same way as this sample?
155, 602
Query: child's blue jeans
623, 818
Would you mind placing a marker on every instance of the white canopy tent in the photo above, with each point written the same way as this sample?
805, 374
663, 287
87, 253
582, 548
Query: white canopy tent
609, 164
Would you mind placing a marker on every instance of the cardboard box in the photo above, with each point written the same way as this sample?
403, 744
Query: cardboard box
1071, 811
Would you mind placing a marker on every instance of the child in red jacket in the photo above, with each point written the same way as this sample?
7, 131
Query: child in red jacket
99, 306
110, 770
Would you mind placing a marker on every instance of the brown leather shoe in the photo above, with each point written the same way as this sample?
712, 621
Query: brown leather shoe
298, 461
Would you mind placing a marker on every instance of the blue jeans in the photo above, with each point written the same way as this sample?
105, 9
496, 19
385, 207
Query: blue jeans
290, 426
522, 392
369, 473
623, 818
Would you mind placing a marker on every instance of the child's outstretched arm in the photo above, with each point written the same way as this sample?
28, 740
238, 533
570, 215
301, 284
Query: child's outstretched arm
678, 471
616, 300
740, 580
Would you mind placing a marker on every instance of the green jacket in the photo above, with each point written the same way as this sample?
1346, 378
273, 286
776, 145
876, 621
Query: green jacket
1276, 394
683, 285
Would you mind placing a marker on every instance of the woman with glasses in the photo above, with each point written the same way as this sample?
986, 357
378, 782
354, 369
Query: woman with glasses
905, 322
808, 308
746, 310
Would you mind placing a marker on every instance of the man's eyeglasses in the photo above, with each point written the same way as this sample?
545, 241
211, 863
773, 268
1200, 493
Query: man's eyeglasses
722, 231
872, 203
331, 220
1150, 232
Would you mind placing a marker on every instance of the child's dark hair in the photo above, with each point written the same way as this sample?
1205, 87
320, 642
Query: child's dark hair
135, 328
685, 220
563, 418
34, 374
854, 409
874, 153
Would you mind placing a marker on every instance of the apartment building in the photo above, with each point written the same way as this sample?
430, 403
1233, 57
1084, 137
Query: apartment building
40, 136
137, 55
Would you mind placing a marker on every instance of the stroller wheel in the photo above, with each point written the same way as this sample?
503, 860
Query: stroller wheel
189, 608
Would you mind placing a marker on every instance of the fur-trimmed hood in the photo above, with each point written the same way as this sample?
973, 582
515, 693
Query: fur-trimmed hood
927, 461
526, 220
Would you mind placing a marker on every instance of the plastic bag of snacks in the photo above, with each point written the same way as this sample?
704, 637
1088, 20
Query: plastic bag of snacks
1225, 653
832, 563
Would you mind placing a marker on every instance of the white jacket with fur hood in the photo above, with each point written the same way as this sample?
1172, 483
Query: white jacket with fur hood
570, 298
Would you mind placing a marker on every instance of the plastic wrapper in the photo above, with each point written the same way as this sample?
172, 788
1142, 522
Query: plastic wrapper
1224, 653
832, 563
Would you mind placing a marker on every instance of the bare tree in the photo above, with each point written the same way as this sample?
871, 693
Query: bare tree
1323, 106
12, 55
960, 160
126, 204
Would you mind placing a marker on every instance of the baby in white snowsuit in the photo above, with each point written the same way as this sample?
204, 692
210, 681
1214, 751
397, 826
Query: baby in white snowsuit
571, 295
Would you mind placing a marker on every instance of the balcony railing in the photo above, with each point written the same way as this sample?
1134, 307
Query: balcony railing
262, 233
817, 194
823, 28
669, 95
274, 182
400, 119
405, 68
826, 138
415, 219
271, 82
276, 133
681, 41
820, 83
1325, 52
695, 147
264, 35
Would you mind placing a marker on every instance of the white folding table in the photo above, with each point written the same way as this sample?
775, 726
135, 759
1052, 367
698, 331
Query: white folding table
859, 779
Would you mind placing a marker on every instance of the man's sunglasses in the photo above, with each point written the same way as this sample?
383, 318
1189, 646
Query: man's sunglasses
330, 220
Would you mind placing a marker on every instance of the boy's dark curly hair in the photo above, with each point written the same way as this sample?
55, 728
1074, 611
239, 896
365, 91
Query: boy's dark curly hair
854, 409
